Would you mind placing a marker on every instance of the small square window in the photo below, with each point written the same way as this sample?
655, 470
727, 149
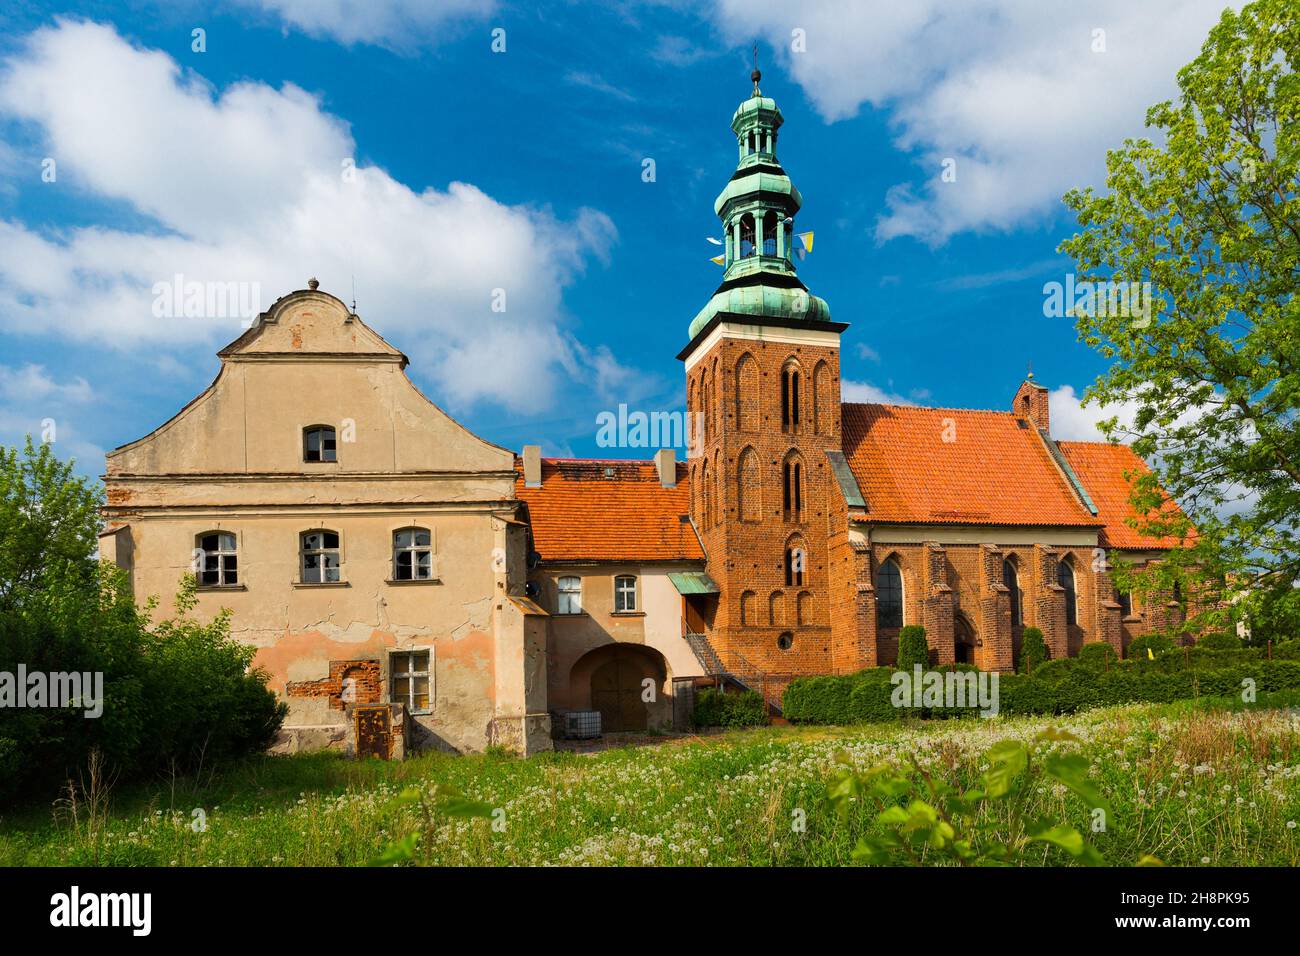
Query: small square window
318, 444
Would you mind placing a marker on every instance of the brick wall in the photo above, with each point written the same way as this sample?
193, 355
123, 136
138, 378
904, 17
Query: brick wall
737, 388
367, 687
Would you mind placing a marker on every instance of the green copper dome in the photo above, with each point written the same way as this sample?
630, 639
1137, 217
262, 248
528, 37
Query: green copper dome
757, 208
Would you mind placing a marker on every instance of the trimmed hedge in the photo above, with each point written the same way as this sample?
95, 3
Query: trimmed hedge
912, 647
866, 696
1033, 650
1158, 644
715, 708
1219, 641
1098, 652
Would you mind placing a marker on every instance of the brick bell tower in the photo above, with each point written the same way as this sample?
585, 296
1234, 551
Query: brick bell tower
763, 390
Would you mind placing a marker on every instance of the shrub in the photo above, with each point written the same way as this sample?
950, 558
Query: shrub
1156, 643
1057, 669
867, 696
1220, 641
716, 708
1287, 650
912, 647
1098, 653
871, 701
1033, 650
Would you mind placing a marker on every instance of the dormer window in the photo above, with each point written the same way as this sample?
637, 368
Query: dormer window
318, 443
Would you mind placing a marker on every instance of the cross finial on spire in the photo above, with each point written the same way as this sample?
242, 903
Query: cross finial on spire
756, 75
1030, 376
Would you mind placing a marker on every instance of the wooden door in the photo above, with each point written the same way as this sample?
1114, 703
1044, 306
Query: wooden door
616, 693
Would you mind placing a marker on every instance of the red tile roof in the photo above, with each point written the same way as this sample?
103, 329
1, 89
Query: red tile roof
994, 472
581, 514
1101, 468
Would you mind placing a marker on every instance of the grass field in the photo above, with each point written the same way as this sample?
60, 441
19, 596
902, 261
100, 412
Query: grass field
1189, 784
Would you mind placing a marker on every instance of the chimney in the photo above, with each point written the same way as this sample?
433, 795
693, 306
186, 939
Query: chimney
1030, 403
666, 465
532, 466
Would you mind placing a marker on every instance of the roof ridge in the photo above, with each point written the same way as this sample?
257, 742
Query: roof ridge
932, 408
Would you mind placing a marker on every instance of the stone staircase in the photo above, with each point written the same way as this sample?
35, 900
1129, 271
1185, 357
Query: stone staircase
740, 672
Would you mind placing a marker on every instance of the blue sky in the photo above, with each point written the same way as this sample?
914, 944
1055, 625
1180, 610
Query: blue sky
521, 170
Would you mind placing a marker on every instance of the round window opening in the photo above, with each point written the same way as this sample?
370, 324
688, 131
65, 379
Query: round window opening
785, 641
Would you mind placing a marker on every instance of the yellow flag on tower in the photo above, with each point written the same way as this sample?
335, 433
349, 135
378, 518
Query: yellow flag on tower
803, 243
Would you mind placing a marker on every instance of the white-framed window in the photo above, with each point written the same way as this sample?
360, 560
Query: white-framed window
570, 593
319, 557
318, 443
408, 680
412, 555
625, 592
219, 564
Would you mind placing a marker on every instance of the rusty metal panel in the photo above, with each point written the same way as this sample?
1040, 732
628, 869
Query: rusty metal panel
374, 736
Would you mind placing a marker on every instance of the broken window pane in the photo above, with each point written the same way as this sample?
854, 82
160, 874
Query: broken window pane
320, 557
412, 557
218, 564
318, 444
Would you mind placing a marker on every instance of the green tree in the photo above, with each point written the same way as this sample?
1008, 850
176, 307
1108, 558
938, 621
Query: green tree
49, 519
179, 693
1210, 217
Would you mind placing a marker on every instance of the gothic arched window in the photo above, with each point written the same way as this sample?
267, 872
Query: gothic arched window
790, 397
1065, 578
792, 488
889, 595
1012, 582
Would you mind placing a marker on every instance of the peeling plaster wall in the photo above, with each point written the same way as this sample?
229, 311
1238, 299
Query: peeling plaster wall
232, 461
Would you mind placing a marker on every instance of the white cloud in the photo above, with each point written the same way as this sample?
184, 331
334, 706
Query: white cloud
679, 51
397, 24
33, 403
248, 184
1010, 89
1073, 421
867, 352
866, 393
32, 383
597, 83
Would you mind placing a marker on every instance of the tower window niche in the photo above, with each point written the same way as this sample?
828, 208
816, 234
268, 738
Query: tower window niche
747, 235
790, 398
770, 223
792, 489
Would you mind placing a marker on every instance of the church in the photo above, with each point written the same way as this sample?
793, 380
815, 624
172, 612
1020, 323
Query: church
391, 566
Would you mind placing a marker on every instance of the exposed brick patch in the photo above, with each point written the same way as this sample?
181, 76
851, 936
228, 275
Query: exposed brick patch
367, 687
